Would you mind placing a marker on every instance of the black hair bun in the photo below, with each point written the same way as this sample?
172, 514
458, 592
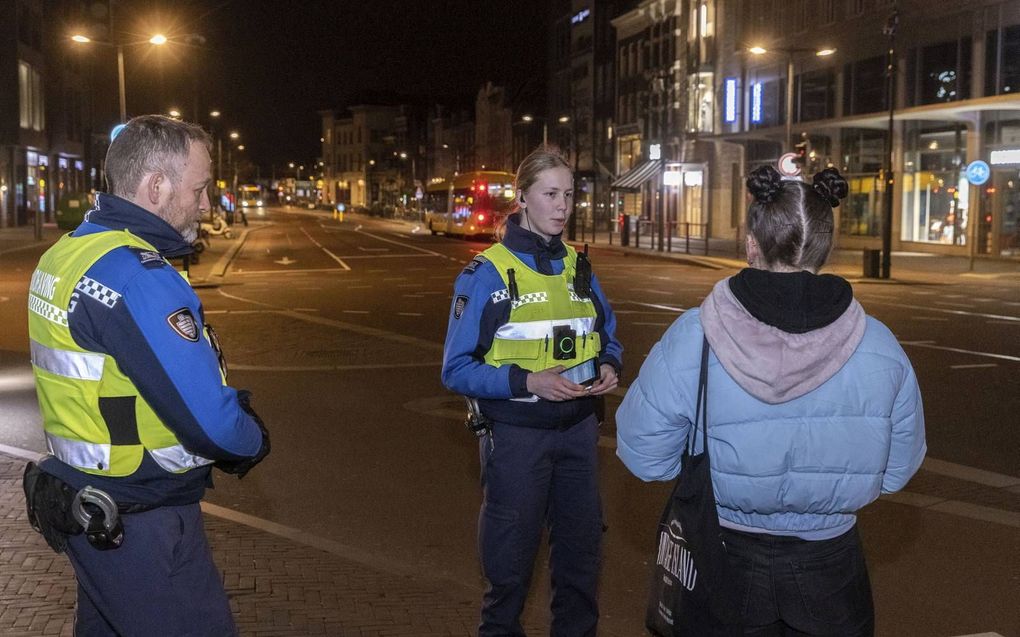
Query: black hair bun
831, 186
765, 183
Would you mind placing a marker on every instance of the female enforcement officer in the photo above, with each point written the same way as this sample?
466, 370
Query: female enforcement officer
525, 310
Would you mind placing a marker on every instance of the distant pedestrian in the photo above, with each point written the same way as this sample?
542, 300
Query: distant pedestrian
132, 389
524, 310
813, 412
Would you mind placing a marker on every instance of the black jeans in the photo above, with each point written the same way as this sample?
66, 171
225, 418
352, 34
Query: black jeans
793, 587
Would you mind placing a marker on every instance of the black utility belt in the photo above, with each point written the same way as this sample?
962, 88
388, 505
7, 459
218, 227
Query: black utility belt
58, 511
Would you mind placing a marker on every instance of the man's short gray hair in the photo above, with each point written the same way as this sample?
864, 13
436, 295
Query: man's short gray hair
147, 144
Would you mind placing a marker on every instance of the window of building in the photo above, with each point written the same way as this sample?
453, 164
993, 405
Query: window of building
700, 102
815, 95
30, 91
936, 195
864, 86
1002, 61
863, 156
939, 72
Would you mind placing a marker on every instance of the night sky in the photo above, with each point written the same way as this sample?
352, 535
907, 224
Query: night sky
270, 66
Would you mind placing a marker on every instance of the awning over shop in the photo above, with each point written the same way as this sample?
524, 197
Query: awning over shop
632, 179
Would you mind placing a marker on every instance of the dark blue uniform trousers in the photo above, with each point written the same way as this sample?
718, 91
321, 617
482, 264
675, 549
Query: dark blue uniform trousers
161, 581
532, 478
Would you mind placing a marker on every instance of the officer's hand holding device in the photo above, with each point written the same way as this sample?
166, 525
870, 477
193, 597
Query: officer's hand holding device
584, 374
240, 468
550, 385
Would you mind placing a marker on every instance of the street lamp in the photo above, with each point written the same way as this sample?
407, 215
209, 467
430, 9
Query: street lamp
790, 51
528, 118
157, 40
174, 113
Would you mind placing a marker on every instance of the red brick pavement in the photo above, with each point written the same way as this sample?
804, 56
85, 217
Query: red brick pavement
277, 587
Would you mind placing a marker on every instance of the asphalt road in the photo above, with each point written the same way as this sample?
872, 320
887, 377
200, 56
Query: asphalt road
337, 328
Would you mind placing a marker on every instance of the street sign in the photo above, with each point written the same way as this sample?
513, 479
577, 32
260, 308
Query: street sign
788, 166
978, 172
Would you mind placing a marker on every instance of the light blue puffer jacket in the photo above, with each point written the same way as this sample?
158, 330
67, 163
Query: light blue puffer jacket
818, 426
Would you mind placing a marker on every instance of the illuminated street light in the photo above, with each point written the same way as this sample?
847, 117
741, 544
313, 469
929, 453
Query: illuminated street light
563, 119
234, 134
528, 118
175, 113
214, 113
157, 39
790, 51
240, 147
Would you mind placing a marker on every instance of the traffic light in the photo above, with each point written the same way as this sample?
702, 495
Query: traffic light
801, 150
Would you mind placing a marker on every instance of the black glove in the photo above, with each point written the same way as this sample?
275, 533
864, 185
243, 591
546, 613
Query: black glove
240, 468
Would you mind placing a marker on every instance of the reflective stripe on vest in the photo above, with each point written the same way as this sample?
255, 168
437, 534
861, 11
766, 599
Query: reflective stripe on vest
79, 365
177, 458
534, 330
92, 455
78, 453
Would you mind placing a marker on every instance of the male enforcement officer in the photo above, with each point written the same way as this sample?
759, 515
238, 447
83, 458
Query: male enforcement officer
134, 398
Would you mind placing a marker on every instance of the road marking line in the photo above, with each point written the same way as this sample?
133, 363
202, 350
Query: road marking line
970, 474
410, 314
405, 245
651, 291
982, 635
346, 311
953, 304
1001, 323
363, 249
929, 345
656, 306
975, 366
328, 368
340, 325
938, 309
323, 248
930, 318
651, 324
301, 271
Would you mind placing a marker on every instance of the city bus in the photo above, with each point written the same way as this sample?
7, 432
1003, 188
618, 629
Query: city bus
470, 204
250, 196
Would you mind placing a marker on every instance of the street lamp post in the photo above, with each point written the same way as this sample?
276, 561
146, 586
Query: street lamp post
887, 194
790, 52
157, 40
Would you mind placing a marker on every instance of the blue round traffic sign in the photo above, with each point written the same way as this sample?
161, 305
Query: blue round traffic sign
978, 172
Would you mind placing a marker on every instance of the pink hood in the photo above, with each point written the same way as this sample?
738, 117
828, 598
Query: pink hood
772, 365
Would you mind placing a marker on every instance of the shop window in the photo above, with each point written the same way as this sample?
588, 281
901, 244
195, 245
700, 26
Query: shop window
863, 157
936, 195
864, 86
1002, 61
700, 102
939, 72
815, 95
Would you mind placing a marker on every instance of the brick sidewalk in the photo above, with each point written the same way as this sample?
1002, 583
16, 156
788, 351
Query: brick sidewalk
276, 587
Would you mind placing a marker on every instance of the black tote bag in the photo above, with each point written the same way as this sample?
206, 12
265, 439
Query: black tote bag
691, 591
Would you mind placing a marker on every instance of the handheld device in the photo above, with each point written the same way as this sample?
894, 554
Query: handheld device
584, 374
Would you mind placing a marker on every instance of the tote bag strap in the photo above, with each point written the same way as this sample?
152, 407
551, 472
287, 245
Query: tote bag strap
701, 410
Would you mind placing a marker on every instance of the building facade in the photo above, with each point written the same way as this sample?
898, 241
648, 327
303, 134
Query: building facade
954, 101
43, 113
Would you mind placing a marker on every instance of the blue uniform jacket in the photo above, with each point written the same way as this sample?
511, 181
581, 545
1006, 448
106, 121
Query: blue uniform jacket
178, 378
471, 329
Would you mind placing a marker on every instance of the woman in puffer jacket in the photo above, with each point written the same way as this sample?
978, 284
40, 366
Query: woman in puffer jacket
813, 412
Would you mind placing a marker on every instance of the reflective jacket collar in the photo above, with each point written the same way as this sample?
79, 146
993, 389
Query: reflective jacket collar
115, 213
524, 241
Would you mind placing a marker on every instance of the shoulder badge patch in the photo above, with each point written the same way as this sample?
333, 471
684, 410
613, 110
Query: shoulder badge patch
477, 261
149, 258
459, 305
183, 322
